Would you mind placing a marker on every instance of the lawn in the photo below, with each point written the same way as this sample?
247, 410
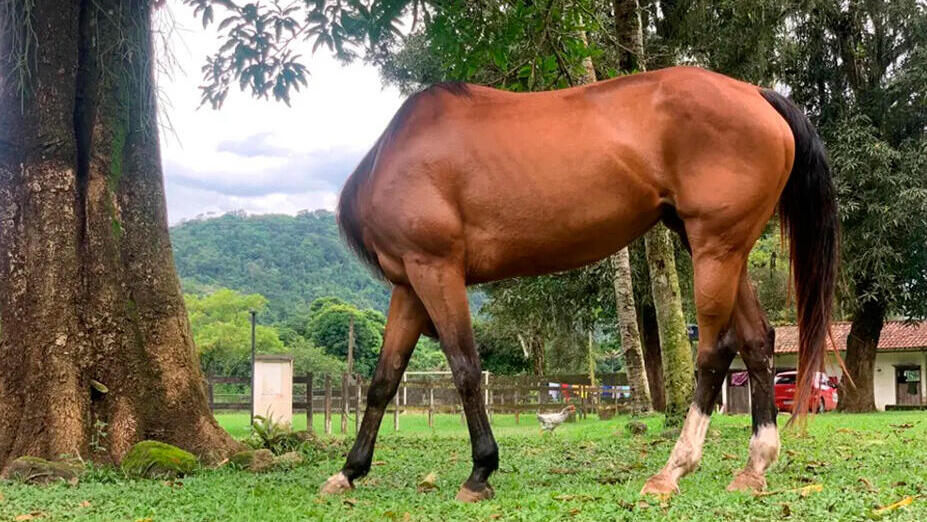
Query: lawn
591, 470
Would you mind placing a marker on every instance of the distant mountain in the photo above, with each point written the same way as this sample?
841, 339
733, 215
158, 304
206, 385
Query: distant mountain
291, 260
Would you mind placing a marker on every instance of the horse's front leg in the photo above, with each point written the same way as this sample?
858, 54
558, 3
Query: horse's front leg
440, 285
405, 322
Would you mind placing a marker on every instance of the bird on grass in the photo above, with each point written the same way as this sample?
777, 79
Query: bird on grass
550, 421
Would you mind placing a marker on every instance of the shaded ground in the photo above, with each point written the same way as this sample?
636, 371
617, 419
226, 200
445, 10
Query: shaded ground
592, 470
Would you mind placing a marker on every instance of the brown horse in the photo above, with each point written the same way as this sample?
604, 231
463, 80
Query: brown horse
469, 184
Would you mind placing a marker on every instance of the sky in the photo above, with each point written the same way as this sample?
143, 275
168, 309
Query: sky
255, 155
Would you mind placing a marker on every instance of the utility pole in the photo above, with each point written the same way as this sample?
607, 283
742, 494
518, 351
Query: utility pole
351, 347
253, 324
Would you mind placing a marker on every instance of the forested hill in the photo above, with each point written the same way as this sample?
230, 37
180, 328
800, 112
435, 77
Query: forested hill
291, 260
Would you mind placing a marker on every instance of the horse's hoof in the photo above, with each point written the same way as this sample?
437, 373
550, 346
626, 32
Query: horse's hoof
748, 481
336, 484
468, 495
659, 485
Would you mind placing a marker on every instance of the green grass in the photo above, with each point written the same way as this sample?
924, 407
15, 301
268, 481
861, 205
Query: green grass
591, 470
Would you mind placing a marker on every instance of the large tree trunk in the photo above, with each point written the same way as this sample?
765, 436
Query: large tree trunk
678, 369
653, 358
88, 289
630, 337
860, 359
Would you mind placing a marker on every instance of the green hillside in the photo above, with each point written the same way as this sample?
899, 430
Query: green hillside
291, 260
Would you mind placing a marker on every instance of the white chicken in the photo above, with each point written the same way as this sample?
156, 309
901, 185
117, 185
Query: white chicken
550, 421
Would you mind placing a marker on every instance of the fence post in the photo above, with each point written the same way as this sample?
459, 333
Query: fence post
328, 404
582, 401
344, 403
541, 393
431, 406
405, 392
212, 400
357, 404
309, 405
517, 406
396, 413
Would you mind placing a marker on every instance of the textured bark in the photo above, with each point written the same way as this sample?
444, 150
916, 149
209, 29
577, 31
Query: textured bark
678, 369
88, 288
626, 15
532, 345
862, 344
630, 337
653, 359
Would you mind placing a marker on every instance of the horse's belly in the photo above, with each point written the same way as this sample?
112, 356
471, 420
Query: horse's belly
536, 240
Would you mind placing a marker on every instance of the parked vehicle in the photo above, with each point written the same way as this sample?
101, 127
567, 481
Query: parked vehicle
823, 397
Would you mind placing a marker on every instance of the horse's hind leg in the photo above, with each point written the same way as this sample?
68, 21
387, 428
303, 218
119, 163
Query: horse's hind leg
441, 286
405, 322
757, 353
717, 272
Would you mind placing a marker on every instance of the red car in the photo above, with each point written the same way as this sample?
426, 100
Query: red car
823, 397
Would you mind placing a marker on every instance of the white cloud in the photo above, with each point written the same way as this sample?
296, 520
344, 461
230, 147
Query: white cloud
262, 156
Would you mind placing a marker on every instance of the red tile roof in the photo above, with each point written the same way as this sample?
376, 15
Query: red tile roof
896, 336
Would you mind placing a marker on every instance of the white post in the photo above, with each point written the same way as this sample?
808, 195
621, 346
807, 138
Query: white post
486, 389
724, 395
924, 380
273, 387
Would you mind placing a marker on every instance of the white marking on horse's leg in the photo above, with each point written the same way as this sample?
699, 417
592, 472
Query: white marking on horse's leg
685, 456
335, 484
764, 450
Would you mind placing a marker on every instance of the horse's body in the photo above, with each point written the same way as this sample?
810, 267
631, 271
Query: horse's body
470, 184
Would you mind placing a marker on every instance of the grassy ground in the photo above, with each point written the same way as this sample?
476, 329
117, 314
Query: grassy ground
591, 470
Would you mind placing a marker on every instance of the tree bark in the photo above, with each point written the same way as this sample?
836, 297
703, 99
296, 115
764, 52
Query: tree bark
678, 369
862, 344
630, 337
626, 15
653, 358
88, 290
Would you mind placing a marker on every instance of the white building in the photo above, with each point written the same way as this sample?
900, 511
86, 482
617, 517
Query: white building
900, 366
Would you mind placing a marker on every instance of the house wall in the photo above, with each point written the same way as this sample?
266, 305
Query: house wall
883, 380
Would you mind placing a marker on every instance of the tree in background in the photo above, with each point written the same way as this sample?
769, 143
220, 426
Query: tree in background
328, 327
860, 68
221, 326
88, 289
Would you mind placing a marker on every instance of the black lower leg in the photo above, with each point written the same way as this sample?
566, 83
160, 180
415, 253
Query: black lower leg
483, 445
404, 325
712, 370
358, 462
758, 357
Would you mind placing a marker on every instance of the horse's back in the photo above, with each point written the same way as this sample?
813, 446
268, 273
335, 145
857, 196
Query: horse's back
530, 183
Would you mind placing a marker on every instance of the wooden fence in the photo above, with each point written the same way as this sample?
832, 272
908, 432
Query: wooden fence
434, 394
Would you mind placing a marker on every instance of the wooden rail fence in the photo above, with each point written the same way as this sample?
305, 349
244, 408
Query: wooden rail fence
433, 395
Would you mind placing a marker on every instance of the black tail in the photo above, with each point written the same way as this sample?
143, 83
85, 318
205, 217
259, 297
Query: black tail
348, 221
808, 211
